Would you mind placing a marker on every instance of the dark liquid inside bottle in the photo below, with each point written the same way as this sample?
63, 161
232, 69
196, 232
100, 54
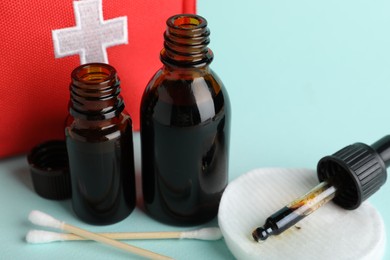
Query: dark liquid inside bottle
185, 140
103, 188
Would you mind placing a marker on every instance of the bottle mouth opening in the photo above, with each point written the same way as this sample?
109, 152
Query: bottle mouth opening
187, 21
94, 73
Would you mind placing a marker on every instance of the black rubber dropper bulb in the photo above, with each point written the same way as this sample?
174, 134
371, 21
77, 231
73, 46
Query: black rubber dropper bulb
348, 177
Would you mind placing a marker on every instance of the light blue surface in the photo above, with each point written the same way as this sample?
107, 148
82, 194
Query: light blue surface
305, 79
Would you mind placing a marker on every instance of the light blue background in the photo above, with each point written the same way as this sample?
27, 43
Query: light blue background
305, 79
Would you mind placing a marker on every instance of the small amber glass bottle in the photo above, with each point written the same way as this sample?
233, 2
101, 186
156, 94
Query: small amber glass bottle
185, 128
100, 146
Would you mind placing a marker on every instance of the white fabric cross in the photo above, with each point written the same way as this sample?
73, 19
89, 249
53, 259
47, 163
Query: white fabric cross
92, 35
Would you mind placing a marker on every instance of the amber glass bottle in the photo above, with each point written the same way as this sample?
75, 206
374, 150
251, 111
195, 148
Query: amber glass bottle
185, 125
100, 146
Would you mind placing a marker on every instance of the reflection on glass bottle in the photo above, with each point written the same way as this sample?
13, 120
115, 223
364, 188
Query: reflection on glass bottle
185, 128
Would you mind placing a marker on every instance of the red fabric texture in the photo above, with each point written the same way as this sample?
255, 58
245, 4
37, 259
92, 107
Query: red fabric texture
34, 84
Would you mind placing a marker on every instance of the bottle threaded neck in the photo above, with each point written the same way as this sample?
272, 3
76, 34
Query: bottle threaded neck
185, 42
95, 92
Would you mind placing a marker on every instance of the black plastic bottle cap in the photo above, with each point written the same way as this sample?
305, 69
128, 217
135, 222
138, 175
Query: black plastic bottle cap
49, 168
357, 171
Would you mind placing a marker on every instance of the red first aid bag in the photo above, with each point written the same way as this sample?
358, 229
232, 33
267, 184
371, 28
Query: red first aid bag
41, 42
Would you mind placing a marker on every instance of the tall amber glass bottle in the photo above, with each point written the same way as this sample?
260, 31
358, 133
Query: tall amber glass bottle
100, 146
185, 128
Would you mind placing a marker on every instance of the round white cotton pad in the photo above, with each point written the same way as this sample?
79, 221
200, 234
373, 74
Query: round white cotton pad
329, 233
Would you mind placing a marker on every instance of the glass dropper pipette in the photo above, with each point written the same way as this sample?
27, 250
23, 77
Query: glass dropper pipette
347, 177
295, 211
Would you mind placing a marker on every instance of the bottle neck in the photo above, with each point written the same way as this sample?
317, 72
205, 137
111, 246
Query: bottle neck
95, 92
185, 42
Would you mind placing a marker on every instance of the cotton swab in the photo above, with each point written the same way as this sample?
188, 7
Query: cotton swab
41, 236
45, 220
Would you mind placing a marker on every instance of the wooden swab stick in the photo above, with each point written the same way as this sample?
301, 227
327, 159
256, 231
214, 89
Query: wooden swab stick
42, 219
42, 236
